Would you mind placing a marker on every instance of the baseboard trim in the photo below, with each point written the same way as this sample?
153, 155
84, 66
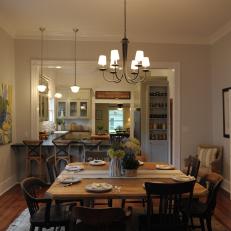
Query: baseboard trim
226, 186
7, 184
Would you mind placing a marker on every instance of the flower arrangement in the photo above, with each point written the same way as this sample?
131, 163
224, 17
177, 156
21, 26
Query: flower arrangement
131, 145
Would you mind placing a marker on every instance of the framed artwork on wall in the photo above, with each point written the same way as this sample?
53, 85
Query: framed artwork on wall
225, 99
5, 113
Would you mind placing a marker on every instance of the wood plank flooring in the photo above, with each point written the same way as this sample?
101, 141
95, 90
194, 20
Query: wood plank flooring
12, 204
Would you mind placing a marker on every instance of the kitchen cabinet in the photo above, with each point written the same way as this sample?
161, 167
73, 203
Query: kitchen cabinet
73, 109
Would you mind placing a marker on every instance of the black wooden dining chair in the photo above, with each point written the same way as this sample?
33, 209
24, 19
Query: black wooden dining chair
193, 167
43, 214
97, 155
169, 215
51, 168
100, 219
204, 210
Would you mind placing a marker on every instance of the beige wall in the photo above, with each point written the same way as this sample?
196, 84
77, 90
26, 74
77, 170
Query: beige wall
195, 81
221, 78
7, 163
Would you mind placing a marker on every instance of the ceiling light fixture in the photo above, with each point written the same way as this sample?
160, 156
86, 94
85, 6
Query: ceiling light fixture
140, 62
75, 88
58, 95
120, 107
41, 87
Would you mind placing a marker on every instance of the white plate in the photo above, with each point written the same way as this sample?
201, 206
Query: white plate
141, 162
98, 187
73, 167
183, 178
69, 179
97, 162
164, 167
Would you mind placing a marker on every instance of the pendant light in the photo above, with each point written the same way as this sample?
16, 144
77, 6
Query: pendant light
75, 88
41, 87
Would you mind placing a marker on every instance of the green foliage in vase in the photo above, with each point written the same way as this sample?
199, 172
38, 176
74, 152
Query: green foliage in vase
116, 150
131, 145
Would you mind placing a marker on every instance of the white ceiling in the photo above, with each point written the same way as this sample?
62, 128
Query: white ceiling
174, 21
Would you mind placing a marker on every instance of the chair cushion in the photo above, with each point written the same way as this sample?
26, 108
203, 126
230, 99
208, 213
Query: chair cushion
206, 156
203, 172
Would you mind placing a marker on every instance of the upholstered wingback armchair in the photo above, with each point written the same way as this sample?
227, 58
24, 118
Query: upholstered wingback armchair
210, 157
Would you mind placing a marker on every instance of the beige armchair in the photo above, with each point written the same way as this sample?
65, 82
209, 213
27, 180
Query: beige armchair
210, 157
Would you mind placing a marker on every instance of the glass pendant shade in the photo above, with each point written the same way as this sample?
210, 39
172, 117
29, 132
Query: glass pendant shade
42, 88
58, 95
75, 88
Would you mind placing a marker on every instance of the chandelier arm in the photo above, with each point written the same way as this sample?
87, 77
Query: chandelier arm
112, 80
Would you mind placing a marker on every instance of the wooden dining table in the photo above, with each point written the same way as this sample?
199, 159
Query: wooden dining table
122, 187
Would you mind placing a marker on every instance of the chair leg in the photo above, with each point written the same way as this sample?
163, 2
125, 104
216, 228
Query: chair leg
66, 227
123, 203
208, 222
32, 227
202, 224
109, 202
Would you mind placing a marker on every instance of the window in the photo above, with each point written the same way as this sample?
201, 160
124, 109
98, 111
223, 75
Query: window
116, 119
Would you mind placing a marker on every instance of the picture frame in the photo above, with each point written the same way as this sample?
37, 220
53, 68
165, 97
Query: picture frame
225, 102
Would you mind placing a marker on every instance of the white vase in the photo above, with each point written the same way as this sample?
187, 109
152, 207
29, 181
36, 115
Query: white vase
115, 167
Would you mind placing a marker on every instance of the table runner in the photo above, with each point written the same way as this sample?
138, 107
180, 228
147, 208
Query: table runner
89, 174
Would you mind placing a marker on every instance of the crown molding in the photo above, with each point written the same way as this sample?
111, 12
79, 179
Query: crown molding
220, 33
117, 38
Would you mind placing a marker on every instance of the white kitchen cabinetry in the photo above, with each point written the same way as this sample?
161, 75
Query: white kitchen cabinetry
74, 106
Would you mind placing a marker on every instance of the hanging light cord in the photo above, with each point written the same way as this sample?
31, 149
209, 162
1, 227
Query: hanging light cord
125, 19
75, 30
42, 29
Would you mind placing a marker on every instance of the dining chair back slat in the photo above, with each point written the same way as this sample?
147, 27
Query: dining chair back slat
193, 167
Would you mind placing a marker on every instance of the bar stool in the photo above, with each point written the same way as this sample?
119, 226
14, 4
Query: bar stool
61, 152
34, 153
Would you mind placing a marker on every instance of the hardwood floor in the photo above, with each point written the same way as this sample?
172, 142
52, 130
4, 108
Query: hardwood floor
12, 204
